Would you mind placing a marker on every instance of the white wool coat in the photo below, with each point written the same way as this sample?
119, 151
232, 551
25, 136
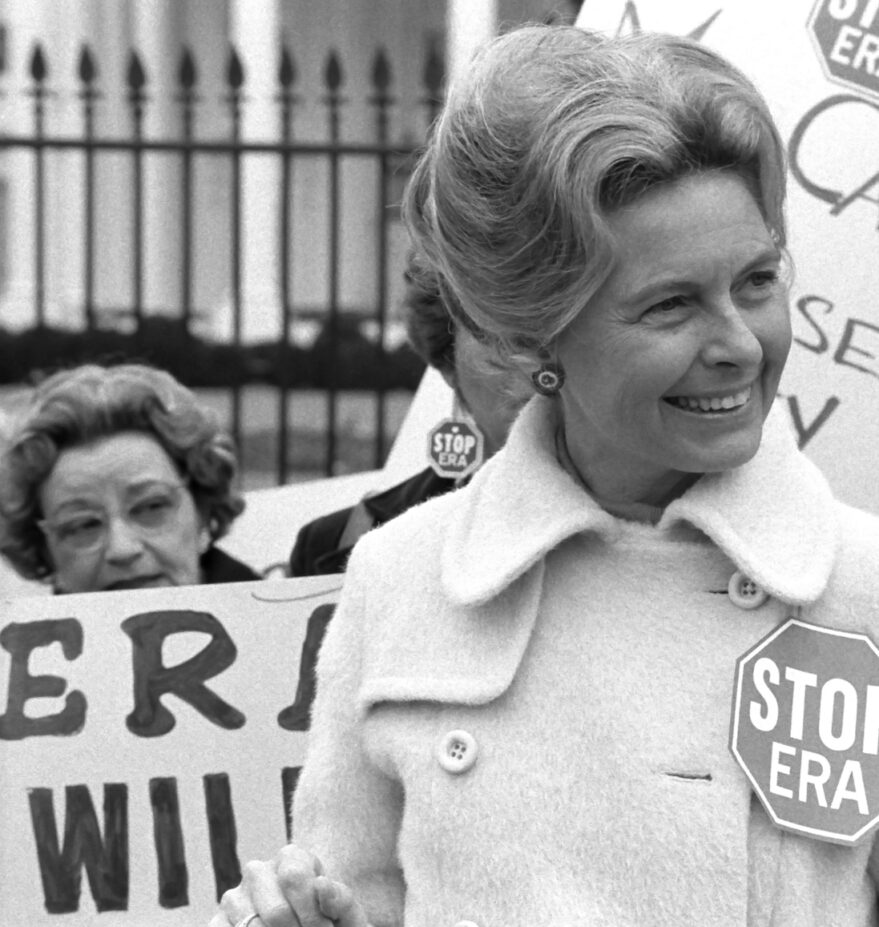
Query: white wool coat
584, 667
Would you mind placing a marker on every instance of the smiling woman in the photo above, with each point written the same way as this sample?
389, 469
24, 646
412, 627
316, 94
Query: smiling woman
684, 343
523, 700
117, 478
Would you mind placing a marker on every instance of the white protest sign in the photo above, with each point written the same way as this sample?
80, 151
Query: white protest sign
433, 400
817, 63
264, 534
150, 743
805, 729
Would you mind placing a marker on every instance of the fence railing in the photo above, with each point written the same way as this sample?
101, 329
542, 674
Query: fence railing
350, 346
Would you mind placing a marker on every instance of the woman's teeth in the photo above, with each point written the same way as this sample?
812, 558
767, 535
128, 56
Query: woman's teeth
711, 404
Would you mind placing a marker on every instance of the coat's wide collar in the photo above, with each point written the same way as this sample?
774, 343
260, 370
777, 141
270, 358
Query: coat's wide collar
773, 517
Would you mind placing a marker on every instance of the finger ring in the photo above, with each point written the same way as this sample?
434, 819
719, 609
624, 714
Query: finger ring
246, 921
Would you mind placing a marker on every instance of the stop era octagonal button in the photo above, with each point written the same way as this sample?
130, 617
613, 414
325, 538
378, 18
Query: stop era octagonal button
454, 448
805, 729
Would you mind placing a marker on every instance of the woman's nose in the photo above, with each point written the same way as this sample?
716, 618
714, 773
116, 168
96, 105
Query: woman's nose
123, 540
731, 341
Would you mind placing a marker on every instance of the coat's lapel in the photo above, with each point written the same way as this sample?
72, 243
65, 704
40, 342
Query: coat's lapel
452, 653
517, 508
774, 517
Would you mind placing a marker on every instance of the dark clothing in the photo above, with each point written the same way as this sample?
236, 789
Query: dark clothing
218, 567
323, 545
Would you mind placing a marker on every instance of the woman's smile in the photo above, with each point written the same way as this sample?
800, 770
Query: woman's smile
722, 403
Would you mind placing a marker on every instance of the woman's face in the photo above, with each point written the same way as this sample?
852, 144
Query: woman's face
673, 366
118, 516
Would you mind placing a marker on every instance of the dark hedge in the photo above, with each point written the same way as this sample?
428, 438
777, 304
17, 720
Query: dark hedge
340, 357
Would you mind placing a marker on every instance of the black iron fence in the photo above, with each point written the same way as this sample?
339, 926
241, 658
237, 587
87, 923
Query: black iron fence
351, 352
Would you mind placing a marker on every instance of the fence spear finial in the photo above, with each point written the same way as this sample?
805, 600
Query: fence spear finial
381, 73
187, 74
434, 70
39, 69
234, 71
86, 68
135, 76
286, 69
333, 73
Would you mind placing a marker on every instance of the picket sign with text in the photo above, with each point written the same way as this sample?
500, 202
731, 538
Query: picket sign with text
817, 63
150, 743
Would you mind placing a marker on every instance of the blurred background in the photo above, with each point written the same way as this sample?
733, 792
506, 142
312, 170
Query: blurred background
212, 186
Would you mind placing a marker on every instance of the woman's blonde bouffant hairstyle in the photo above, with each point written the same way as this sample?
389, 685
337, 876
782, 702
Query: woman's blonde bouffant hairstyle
90, 402
550, 132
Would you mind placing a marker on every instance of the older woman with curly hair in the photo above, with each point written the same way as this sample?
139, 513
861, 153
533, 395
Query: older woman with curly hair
118, 478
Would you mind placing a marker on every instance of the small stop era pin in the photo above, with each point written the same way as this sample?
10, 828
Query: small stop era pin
455, 448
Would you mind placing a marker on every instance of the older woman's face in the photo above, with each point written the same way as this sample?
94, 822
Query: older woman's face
118, 516
673, 366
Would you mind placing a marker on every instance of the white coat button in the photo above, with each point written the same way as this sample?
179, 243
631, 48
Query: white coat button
744, 592
456, 753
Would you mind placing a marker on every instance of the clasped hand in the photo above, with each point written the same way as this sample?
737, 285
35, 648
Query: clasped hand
289, 891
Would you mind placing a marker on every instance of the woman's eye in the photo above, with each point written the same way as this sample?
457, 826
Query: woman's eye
152, 508
761, 283
763, 277
79, 527
664, 306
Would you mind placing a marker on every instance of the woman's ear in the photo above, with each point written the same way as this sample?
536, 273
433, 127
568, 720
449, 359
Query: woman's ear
204, 537
202, 513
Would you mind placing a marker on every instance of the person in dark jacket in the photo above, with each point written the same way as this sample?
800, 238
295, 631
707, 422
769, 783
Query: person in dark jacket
324, 545
118, 478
